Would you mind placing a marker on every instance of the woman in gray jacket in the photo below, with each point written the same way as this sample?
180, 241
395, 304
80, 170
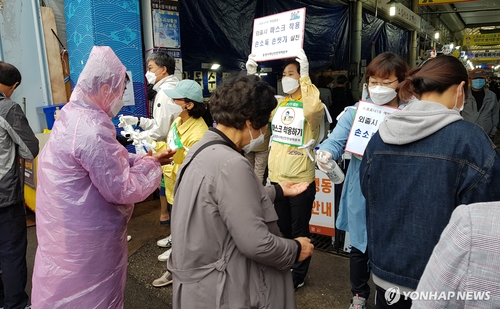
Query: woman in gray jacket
228, 250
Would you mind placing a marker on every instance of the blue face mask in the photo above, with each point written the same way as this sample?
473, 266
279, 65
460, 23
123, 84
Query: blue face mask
478, 83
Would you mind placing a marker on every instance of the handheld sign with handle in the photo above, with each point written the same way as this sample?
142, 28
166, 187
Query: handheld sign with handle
278, 36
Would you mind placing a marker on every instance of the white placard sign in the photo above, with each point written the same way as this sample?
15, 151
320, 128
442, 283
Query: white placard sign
366, 122
128, 96
323, 212
278, 36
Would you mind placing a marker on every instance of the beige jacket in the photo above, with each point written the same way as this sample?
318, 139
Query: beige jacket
290, 163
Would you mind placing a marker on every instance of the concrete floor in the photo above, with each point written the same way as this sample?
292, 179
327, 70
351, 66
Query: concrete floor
327, 283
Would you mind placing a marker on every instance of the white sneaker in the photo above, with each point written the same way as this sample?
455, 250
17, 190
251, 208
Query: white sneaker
358, 302
165, 255
164, 280
165, 242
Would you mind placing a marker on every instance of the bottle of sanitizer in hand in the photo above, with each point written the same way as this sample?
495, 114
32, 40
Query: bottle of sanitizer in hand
335, 173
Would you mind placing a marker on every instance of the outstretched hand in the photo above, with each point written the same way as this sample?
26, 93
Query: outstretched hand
291, 189
164, 156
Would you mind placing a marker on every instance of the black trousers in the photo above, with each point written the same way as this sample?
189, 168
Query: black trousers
381, 302
359, 273
294, 214
13, 244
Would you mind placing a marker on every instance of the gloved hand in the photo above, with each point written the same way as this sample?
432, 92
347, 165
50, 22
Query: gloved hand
322, 159
304, 64
126, 120
251, 64
142, 136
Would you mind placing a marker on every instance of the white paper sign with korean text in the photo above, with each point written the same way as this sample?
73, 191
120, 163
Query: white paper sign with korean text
366, 122
323, 212
278, 36
288, 123
128, 96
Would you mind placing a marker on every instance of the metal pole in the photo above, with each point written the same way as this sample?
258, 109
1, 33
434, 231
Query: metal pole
356, 10
22, 163
414, 38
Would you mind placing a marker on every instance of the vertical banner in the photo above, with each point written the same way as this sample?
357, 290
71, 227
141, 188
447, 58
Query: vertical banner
198, 77
323, 213
212, 80
278, 36
128, 96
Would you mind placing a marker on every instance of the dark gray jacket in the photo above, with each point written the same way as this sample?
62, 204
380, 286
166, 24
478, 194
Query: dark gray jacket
487, 116
16, 140
228, 250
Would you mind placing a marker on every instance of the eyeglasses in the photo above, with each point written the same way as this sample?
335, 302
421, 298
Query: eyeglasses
386, 84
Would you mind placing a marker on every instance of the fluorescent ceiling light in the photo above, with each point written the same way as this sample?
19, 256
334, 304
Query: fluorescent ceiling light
215, 66
392, 11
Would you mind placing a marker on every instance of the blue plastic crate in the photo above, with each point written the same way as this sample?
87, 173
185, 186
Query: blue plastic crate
48, 112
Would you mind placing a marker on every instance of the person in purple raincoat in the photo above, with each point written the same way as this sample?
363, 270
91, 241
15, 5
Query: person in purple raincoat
87, 186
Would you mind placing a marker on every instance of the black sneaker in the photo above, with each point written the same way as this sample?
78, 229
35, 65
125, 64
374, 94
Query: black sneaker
298, 284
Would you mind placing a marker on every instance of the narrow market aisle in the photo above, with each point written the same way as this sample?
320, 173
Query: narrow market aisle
327, 284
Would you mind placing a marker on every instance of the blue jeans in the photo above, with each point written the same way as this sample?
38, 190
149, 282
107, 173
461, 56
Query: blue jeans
13, 243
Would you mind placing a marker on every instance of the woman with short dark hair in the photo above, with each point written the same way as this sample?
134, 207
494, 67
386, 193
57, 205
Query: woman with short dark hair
228, 249
384, 73
423, 162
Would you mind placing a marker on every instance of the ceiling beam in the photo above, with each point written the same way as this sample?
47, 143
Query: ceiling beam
457, 11
486, 24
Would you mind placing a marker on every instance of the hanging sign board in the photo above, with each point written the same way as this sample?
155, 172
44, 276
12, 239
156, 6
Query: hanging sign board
169, 5
482, 39
198, 77
436, 2
368, 118
323, 212
166, 29
211, 81
278, 36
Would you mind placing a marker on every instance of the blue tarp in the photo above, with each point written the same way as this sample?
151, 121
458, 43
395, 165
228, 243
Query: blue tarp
379, 36
221, 31
326, 31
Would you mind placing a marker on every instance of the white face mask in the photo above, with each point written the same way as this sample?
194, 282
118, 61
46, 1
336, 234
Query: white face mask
151, 77
289, 84
381, 95
116, 109
253, 142
174, 109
